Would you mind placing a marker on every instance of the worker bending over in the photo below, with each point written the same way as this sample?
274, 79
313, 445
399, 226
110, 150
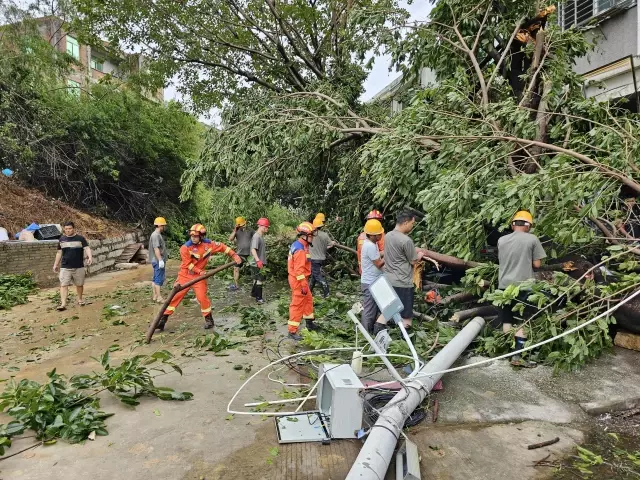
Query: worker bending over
372, 264
299, 269
258, 259
399, 258
321, 243
242, 236
518, 254
195, 255
372, 215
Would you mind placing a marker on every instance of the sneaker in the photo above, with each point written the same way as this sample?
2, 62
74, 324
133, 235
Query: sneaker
233, 288
518, 361
295, 336
259, 301
208, 322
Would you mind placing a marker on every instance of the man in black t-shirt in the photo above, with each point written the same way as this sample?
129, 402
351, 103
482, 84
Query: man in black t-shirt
71, 251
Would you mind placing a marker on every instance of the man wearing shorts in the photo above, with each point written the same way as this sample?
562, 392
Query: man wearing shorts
242, 235
72, 249
400, 255
371, 263
158, 258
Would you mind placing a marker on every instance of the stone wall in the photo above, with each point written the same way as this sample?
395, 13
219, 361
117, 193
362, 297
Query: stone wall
38, 257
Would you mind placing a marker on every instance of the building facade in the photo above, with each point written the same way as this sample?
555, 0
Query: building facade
95, 61
611, 70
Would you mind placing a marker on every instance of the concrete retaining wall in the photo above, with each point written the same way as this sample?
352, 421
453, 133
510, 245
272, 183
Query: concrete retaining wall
38, 257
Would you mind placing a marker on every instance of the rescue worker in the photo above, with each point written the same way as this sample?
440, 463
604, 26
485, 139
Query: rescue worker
372, 264
372, 215
258, 259
299, 270
321, 243
195, 255
518, 254
242, 236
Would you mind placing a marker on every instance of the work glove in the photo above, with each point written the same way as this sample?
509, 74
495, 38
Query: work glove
304, 290
238, 259
161, 264
260, 265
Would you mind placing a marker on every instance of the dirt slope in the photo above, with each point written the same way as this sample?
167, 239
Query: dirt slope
20, 206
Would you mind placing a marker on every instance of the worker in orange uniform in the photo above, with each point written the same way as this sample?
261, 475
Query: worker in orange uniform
299, 269
195, 255
372, 215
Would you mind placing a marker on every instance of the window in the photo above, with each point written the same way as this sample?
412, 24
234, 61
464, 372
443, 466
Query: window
73, 48
97, 64
73, 88
581, 12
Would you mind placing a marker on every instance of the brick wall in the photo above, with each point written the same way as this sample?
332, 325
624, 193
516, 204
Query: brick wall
38, 257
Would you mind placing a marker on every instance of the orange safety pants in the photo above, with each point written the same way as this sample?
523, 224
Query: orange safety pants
301, 307
200, 289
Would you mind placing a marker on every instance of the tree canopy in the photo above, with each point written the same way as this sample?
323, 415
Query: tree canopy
219, 49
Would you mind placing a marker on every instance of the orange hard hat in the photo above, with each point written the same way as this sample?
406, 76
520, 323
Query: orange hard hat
197, 229
374, 215
305, 228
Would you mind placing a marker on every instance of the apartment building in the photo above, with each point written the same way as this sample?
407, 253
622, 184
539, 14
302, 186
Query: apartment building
611, 71
392, 94
95, 61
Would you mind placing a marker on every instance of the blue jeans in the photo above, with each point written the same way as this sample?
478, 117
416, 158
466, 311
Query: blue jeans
159, 274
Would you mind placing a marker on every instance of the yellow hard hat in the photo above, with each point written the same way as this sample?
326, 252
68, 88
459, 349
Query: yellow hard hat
373, 227
320, 216
524, 216
241, 221
318, 222
159, 221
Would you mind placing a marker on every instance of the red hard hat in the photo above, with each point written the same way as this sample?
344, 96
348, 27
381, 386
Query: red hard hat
263, 222
374, 215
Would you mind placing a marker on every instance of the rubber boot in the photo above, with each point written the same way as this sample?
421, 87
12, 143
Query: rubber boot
208, 322
325, 289
311, 325
162, 322
295, 336
259, 298
378, 327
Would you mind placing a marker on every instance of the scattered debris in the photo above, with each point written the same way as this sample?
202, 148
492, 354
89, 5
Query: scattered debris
543, 444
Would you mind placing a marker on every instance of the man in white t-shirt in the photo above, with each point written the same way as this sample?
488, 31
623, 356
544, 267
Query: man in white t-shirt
371, 263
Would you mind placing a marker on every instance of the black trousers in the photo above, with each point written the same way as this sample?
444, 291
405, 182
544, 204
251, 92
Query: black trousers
318, 277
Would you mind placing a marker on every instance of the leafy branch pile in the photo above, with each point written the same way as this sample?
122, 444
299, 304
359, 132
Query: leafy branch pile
69, 409
15, 289
255, 322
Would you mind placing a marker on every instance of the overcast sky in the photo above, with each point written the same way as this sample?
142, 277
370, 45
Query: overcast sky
380, 75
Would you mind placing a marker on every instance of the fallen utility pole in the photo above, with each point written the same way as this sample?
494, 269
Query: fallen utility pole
177, 288
373, 461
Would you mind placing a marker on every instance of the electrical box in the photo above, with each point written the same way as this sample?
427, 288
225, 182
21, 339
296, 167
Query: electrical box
408, 462
386, 298
339, 401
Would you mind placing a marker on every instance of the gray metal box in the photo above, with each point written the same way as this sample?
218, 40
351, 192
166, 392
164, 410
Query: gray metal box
339, 401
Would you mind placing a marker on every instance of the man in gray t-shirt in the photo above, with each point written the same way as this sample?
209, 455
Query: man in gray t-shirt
258, 259
518, 254
400, 255
318, 251
158, 258
242, 235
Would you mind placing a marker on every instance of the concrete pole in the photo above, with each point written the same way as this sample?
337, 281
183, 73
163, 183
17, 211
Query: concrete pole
374, 458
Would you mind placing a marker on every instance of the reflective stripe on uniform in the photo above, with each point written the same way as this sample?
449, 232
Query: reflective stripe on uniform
206, 310
194, 255
300, 277
227, 250
206, 253
308, 317
294, 323
308, 255
191, 266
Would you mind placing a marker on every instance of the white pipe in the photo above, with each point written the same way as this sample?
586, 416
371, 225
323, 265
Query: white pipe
411, 347
375, 346
373, 461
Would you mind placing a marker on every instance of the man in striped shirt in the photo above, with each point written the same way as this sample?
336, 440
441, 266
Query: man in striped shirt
70, 262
